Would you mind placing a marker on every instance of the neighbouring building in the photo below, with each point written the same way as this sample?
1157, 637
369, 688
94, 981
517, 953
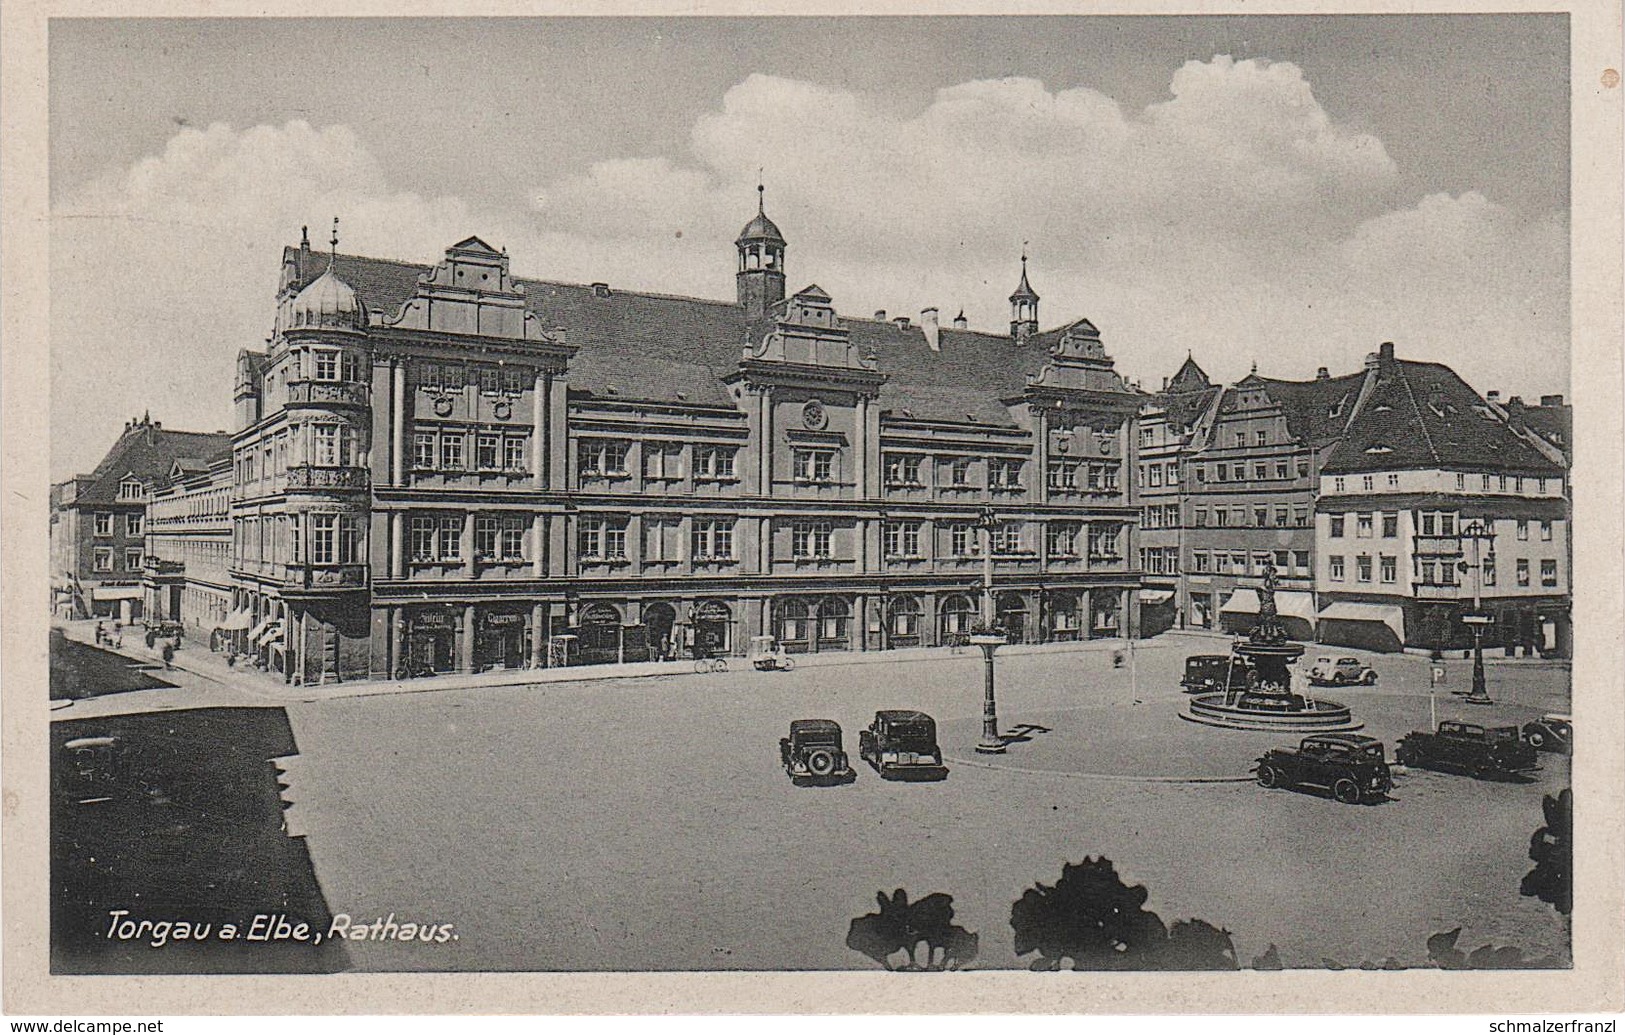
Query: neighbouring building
98, 524
1249, 482
1167, 420
1433, 504
187, 578
448, 468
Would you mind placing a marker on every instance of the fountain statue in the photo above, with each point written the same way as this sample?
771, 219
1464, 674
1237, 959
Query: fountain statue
1267, 700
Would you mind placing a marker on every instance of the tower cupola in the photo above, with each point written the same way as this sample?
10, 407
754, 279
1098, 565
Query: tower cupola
760, 279
1023, 307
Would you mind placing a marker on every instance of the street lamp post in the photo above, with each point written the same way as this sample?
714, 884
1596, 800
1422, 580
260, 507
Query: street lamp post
1479, 532
988, 639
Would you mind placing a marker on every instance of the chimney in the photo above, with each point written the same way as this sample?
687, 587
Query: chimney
880, 315
1165, 384
1516, 400
1323, 374
928, 324
1494, 397
960, 323
600, 289
1385, 355
901, 322
304, 250
1551, 400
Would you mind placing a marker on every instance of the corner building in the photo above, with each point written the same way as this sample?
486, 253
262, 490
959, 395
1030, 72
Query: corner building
451, 469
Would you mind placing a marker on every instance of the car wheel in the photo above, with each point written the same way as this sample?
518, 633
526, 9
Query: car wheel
789, 663
1536, 739
1268, 776
820, 763
1405, 755
1370, 678
1346, 791
1337, 679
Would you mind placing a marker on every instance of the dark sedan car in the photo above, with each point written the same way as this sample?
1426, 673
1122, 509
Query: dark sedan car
1351, 766
1469, 748
1554, 733
812, 753
903, 745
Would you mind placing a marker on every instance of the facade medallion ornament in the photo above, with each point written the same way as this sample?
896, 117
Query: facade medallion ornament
503, 409
442, 406
813, 415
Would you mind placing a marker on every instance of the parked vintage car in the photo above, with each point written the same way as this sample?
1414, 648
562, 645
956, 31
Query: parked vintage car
95, 768
1554, 733
813, 753
1467, 747
1349, 765
1341, 671
902, 744
1209, 672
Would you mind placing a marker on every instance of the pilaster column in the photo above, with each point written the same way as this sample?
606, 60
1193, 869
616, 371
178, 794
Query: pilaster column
538, 432
764, 440
538, 544
397, 544
860, 487
1041, 456
465, 663
538, 634
397, 417
468, 544
558, 432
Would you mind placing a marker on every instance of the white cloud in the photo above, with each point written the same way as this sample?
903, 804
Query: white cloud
1236, 218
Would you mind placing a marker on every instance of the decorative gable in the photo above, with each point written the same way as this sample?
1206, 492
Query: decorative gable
471, 292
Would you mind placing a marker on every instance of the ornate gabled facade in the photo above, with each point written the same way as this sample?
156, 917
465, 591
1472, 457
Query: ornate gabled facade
449, 468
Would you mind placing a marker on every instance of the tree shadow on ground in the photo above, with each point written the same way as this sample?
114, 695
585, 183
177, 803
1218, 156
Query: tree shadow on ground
895, 936
79, 670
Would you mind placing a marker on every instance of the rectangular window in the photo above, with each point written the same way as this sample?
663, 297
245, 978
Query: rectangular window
1152, 517
513, 453
1063, 539
1337, 522
1362, 568
1486, 486
1199, 561
102, 558
1241, 439
1523, 530
1170, 515
451, 450
1004, 474
959, 470
810, 539
902, 539
1461, 481
714, 463
963, 541
512, 545
1541, 487
487, 536
1260, 438
324, 540
423, 450
1545, 530
903, 470
1280, 470
814, 465
1260, 517
133, 523
1303, 467
1548, 573
423, 538
132, 559
712, 539
1393, 481
1155, 474
1201, 474
1007, 538
1239, 562
1221, 472
1362, 526
1172, 470
1447, 524
490, 381
662, 461
1447, 573
1301, 557
1390, 526
487, 451
1365, 483
1488, 569
1283, 560
1239, 472
513, 381
1221, 517
327, 365
451, 538
1103, 542
1260, 472
1280, 517
104, 525
1300, 515
1199, 517
1063, 477
1430, 524
1389, 569
1335, 568
1221, 562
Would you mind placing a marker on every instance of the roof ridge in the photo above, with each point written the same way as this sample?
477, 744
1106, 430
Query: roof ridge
1433, 451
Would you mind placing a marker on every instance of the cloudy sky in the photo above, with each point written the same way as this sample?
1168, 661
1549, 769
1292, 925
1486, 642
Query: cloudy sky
1290, 191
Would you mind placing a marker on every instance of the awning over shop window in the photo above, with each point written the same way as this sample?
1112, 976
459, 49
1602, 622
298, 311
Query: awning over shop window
1156, 596
258, 631
115, 593
1349, 611
1288, 604
268, 632
242, 618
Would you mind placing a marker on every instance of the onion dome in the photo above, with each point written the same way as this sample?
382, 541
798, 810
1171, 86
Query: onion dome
1024, 291
761, 228
327, 301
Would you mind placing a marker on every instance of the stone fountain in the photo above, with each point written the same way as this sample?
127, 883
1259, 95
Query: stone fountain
1267, 700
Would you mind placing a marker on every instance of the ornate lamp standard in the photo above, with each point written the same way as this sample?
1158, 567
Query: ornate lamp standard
989, 639
1479, 532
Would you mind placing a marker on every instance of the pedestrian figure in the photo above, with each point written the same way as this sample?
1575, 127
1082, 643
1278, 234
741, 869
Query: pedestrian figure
101, 634
168, 655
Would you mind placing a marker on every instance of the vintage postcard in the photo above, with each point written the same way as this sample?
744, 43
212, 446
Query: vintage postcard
740, 509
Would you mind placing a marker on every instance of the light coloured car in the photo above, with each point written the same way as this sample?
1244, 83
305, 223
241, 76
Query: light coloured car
1341, 671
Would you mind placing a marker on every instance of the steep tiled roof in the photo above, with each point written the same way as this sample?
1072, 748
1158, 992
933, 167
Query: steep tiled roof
1190, 377
669, 348
1421, 415
1315, 411
1183, 408
148, 452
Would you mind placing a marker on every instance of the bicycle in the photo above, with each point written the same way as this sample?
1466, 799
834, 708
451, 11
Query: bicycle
703, 666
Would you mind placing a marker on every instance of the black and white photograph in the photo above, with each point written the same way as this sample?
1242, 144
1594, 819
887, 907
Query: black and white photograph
814, 494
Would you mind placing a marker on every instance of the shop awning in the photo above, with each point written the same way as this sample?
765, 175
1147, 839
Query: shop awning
1156, 596
1288, 604
268, 631
258, 630
1349, 611
115, 592
242, 618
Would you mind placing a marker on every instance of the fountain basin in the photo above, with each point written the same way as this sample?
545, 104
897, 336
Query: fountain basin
1285, 713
